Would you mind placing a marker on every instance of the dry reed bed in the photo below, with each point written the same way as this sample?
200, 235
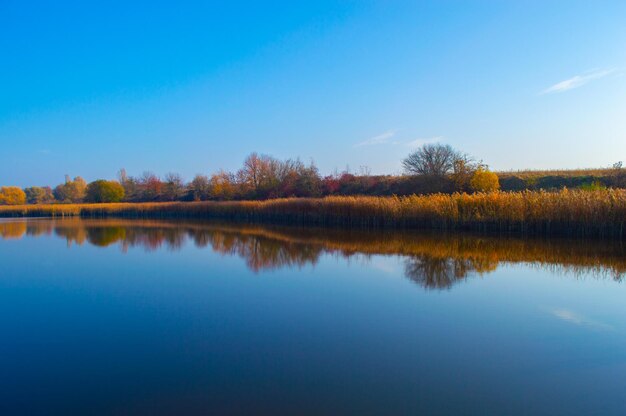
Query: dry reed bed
567, 212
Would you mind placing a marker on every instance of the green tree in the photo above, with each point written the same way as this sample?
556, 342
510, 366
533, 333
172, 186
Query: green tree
12, 195
593, 186
104, 191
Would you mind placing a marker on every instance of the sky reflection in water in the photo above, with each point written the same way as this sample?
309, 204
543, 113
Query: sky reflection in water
162, 317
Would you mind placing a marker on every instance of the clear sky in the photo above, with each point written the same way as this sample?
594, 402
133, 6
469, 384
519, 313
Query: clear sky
191, 87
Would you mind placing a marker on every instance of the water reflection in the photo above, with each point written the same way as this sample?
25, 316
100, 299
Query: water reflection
434, 261
440, 273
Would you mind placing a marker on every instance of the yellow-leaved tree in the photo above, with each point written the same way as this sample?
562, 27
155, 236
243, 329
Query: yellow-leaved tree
484, 180
12, 195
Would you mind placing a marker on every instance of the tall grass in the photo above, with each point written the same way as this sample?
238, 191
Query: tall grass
597, 172
599, 213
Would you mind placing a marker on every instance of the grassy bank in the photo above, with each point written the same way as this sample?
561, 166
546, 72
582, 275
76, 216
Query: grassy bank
599, 213
558, 179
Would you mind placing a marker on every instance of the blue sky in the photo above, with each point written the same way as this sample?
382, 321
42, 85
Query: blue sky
193, 87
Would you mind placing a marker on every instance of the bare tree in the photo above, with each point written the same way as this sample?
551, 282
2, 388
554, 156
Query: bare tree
200, 187
150, 187
433, 160
262, 173
173, 186
252, 170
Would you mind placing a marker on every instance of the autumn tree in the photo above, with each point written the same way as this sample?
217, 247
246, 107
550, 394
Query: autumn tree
222, 185
39, 195
173, 187
258, 174
72, 191
463, 171
484, 180
12, 195
250, 173
331, 184
150, 187
104, 191
308, 181
200, 188
130, 185
264, 176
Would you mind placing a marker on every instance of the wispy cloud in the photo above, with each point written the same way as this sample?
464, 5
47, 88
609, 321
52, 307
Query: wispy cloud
385, 138
577, 81
572, 317
380, 139
423, 141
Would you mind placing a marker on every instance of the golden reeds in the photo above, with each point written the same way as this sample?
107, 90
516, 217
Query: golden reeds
568, 212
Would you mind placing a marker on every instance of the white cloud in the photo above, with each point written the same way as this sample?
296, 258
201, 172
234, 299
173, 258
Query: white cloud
385, 138
577, 81
380, 139
423, 141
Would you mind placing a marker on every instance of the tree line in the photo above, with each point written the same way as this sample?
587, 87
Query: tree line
431, 168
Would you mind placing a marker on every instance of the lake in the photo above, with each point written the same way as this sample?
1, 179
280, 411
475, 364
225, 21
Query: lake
181, 317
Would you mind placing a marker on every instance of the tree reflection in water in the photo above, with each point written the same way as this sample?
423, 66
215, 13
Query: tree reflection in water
436, 273
434, 261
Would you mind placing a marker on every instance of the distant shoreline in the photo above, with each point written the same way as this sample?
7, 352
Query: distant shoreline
571, 213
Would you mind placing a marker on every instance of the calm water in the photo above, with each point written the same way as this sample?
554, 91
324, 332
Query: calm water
122, 317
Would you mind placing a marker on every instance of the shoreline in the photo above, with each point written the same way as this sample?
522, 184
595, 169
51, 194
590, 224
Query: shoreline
569, 213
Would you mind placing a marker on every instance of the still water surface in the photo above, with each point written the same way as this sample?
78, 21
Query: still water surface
147, 317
